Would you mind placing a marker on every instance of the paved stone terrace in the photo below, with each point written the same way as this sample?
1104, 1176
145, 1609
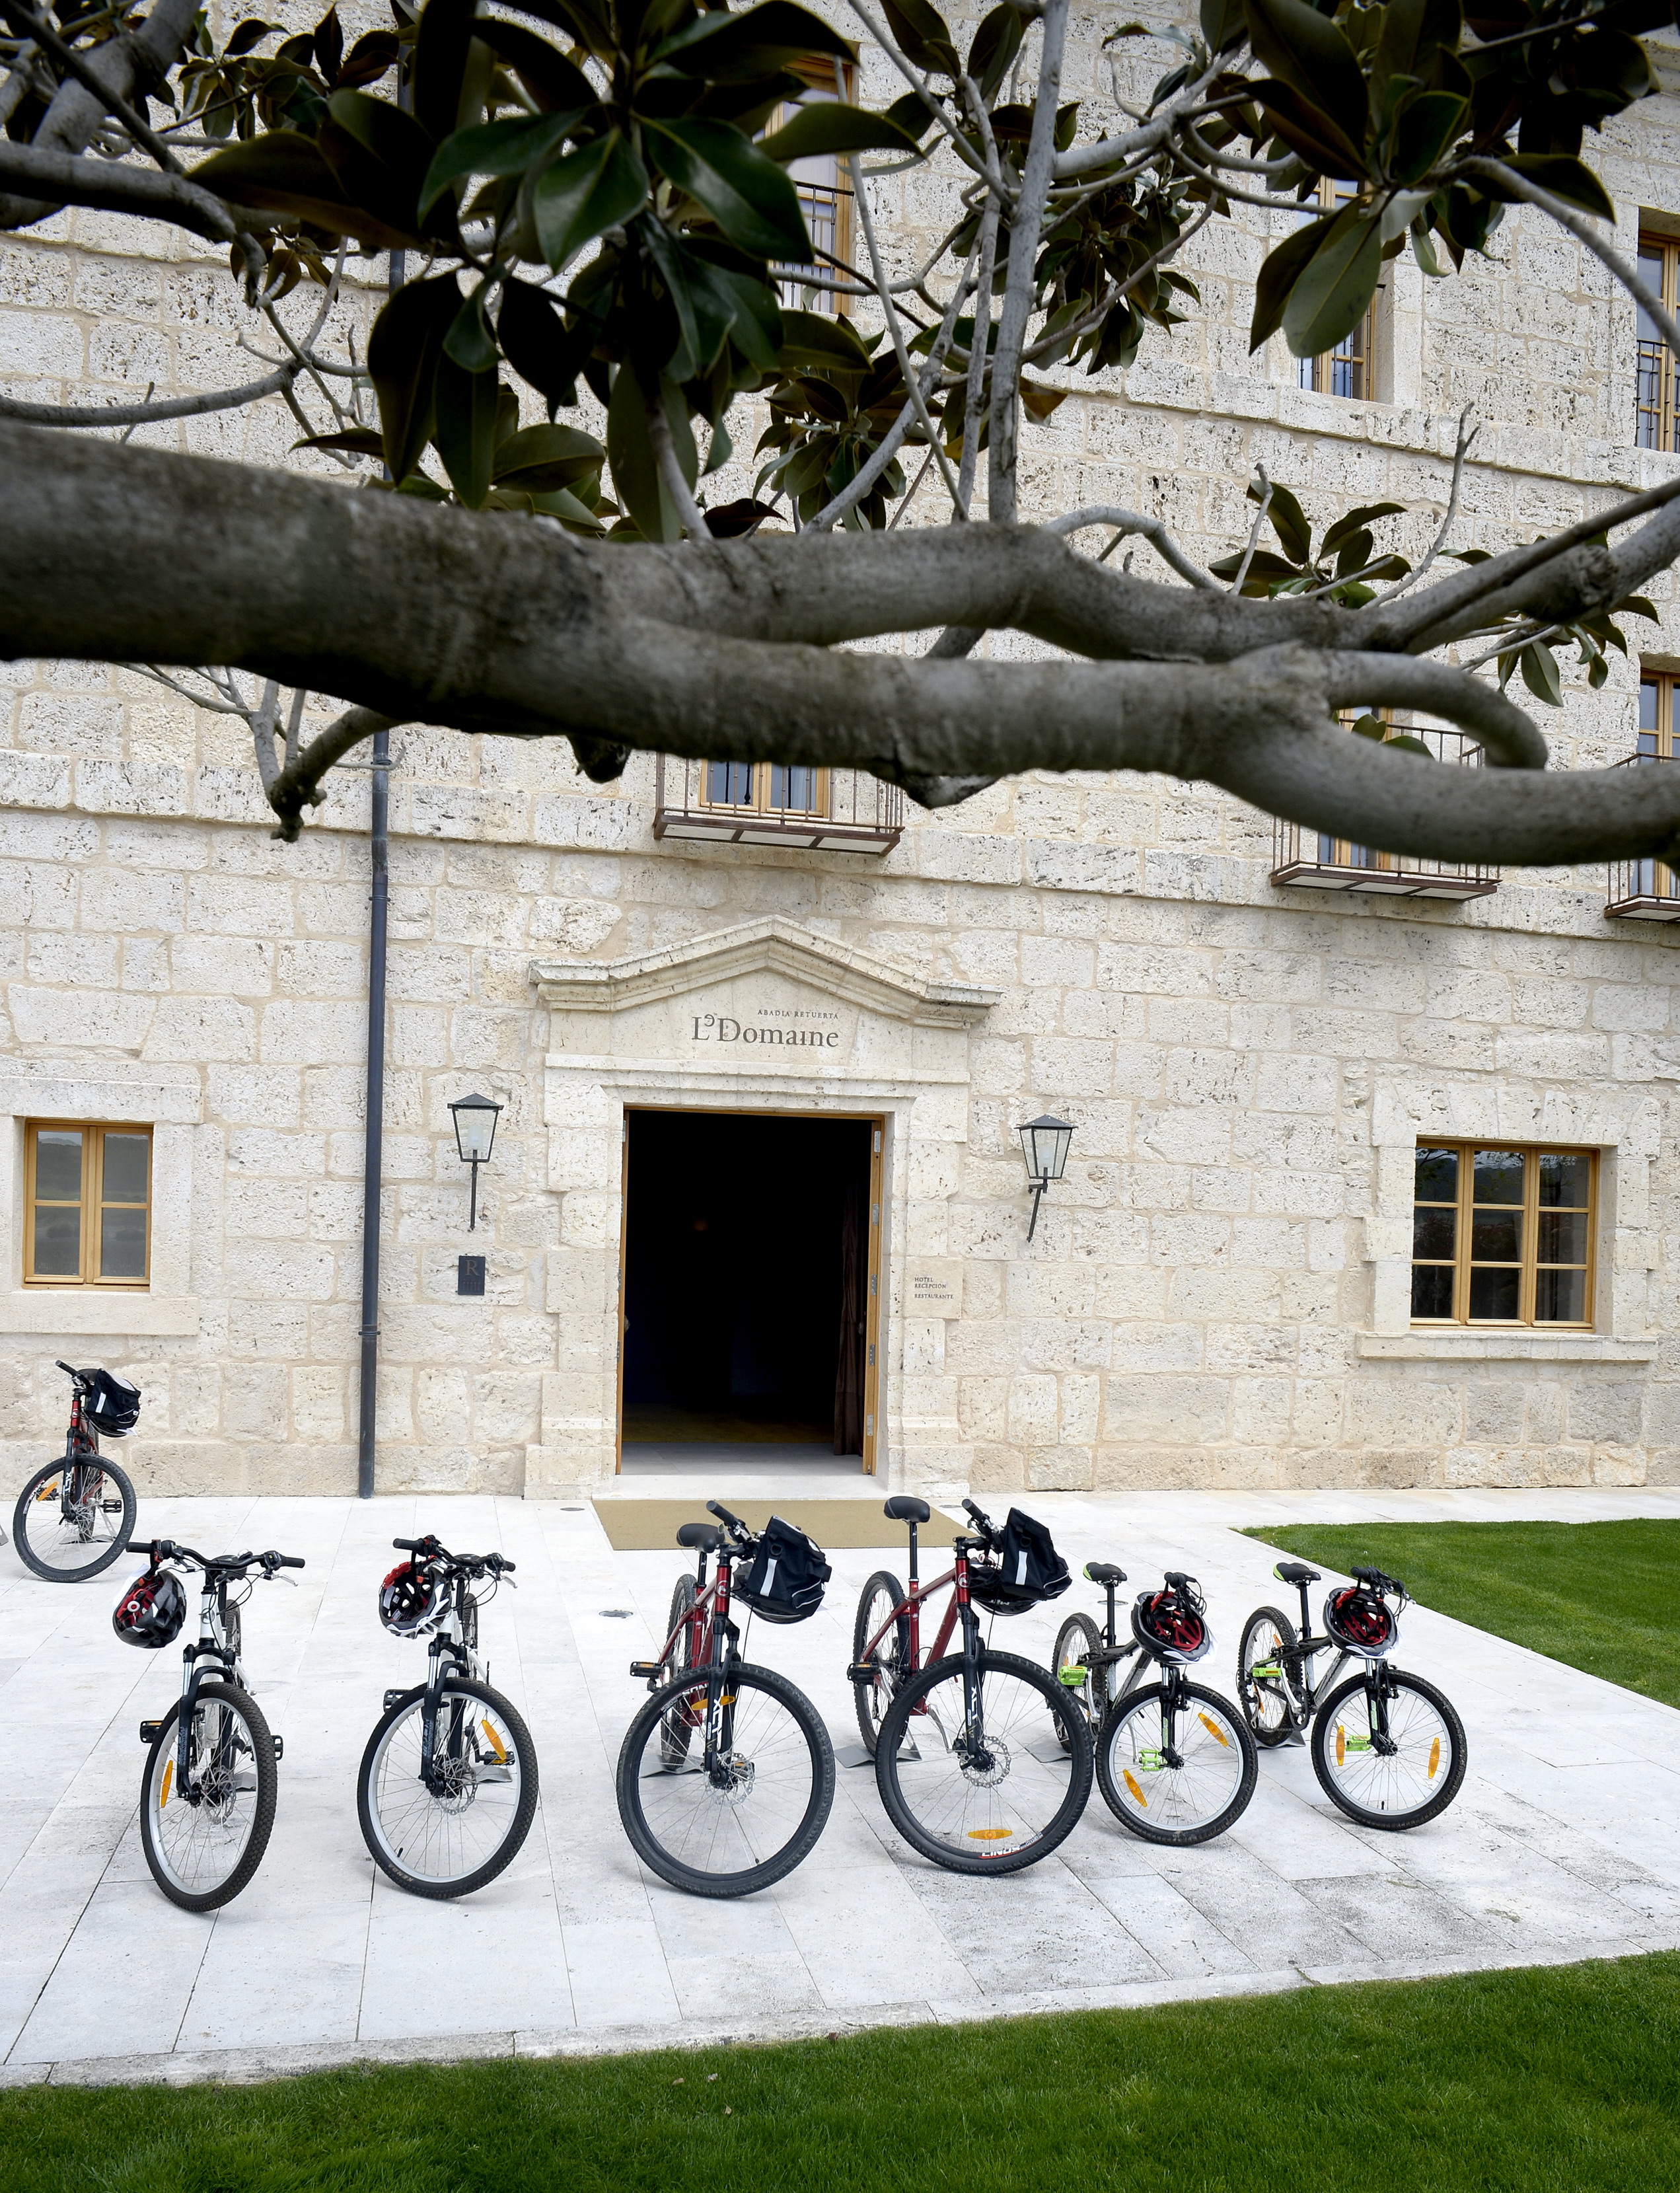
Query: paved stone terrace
1564, 1844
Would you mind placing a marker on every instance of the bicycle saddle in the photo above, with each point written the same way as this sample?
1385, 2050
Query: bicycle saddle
1294, 1572
700, 1537
1105, 1573
905, 1507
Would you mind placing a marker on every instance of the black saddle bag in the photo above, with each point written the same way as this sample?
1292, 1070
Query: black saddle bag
784, 1580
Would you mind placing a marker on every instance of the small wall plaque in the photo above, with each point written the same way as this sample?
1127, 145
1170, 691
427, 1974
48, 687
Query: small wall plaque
469, 1275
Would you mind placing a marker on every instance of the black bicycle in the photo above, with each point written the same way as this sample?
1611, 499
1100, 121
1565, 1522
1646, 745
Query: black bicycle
973, 1749
1174, 1762
447, 1785
738, 1808
75, 1515
1387, 1747
208, 1787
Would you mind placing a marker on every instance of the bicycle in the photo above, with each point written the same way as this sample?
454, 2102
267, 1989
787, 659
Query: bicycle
742, 1810
1175, 1763
447, 1789
66, 1524
208, 1787
987, 1796
1387, 1747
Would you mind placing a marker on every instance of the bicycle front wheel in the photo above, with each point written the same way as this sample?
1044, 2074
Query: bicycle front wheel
73, 1519
1175, 1771
750, 1795
1393, 1777
446, 1828
204, 1832
989, 1790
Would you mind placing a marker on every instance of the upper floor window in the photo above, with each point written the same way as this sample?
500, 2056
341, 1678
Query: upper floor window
88, 1205
1348, 369
766, 788
824, 195
1503, 1235
1656, 421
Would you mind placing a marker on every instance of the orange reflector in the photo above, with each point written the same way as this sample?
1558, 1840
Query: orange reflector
1435, 1758
168, 1777
494, 1742
1214, 1729
990, 1835
1132, 1785
1341, 1744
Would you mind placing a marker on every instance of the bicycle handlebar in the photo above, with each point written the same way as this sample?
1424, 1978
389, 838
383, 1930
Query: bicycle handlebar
741, 1531
432, 1549
165, 1549
988, 1528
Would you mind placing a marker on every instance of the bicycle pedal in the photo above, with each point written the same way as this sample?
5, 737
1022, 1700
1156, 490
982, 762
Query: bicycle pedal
391, 1698
149, 1730
279, 1743
648, 1671
864, 1671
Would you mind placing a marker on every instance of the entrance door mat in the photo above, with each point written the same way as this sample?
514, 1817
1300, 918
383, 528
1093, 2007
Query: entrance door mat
650, 1526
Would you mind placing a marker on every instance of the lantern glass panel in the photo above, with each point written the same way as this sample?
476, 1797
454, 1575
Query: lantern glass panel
475, 1128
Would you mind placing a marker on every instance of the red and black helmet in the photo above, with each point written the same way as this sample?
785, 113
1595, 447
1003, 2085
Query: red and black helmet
1169, 1624
411, 1598
1358, 1619
152, 1611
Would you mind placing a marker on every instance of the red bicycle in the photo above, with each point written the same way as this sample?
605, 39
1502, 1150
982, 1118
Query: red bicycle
77, 1512
726, 1776
983, 1762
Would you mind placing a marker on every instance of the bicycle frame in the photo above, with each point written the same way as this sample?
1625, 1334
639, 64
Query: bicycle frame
713, 1647
1293, 1667
960, 1609
1173, 1680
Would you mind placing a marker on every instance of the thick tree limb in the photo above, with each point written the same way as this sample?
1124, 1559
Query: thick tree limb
148, 415
47, 180
298, 785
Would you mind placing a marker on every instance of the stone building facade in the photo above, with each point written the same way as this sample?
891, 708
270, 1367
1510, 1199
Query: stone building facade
1219, 1293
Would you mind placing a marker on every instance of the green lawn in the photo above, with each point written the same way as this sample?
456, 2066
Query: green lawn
1601, 1596
1528, 2081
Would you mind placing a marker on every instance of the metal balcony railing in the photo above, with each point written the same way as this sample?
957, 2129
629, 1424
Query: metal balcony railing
1309, 859
1645, 890
829, 810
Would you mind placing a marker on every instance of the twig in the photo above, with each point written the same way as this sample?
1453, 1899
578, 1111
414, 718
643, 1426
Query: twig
1466, 435
1255, 530
1153, 529
147, 414
670, 474
906, 499
1027, 221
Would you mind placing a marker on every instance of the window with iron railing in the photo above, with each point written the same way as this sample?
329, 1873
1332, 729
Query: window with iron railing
771, 803
1656, 416
1349, 369
825, 197
1649, 890
1314, 860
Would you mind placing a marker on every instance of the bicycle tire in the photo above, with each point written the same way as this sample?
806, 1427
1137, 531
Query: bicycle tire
1078, 1638
1262, 1701
1329, 1718
379, 1836
723, 1881
157, 1780
1132, 1808
946, 1849
674, 1735
34, 1494
873, 1699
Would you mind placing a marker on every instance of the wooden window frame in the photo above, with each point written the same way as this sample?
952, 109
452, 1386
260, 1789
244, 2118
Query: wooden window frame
1357, 351
1527, 1263
1656, 384
92, 1203
821, 74
762, 784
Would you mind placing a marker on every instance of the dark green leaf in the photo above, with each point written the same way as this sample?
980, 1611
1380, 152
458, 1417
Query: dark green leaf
362, 441
1308, 52
1634, 605
441, 43
749, 197
1566, 179
726, 49
1331, 293
470, 342
1351, 521
1288, 521
330, 44
536, 344
540, 458
1278, 275
1540, 675
553, 81
251, 32
1222, 24
629, 450
817, 339
600, 187
493, 148
285, 172
922, 33
583, 22
403, 350
1423, 131
996, 43
369, 59
1309, 131
830, 126
465, 429
911, 114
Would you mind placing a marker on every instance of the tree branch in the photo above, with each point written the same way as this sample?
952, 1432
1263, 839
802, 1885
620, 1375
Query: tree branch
1026, 220
148, 415
60, 179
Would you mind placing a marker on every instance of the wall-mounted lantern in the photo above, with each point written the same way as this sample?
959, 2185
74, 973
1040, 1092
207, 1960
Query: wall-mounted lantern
475, 1119
1043, 1144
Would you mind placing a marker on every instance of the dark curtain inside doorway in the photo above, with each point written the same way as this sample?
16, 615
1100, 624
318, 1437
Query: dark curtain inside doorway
848, 1375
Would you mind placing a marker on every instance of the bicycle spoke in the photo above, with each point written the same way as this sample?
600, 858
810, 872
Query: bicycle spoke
200, 1832
1399, 1781
445, 1831
983, 1791
750, 1806
1180, 1785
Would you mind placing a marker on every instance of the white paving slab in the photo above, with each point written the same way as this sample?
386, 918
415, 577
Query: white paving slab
1564, 1843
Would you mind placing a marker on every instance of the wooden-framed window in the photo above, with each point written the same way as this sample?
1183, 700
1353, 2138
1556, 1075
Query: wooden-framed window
1656, 422
825, 193
1350, 367
87, 1205
764, 787
1502, 1234
1658, 697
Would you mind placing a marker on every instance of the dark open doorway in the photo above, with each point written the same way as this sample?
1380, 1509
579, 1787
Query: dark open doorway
745, 1281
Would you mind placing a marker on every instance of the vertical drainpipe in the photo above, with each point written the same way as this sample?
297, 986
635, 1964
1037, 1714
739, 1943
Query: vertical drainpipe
373, 1160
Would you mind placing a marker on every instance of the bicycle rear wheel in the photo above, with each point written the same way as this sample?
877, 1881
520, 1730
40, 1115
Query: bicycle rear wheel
1399, 1779
73, 1519
1263, 1689
449, 1832
752, 1816
1077, 1640
675, 1729
881, 1594
205, 1841
1184, 1792
995, 1795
